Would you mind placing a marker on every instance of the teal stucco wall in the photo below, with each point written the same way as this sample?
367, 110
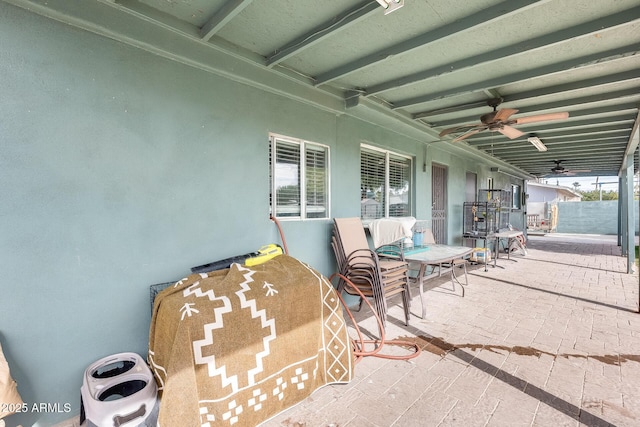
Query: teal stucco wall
598, 217
121, 169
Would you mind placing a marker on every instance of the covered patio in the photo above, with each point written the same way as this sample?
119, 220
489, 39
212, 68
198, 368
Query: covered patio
141, 138
552, 339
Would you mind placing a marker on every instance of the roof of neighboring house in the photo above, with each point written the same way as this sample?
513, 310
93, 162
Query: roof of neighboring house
565, 191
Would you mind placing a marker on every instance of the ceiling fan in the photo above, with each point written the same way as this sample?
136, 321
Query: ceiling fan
560, 170
499, 121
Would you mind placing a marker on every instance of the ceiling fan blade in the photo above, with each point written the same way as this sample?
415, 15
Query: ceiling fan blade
510, 132
541, 118
504, 114
457, 128
469, 133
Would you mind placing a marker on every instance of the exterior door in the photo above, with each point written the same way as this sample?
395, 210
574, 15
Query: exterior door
439, 202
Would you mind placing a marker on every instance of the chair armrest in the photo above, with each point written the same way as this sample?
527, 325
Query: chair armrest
391, 251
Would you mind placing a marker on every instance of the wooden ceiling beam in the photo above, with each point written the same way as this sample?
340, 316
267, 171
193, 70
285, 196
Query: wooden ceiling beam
322, 31
499, 11
222, 17
567, 66
567, 34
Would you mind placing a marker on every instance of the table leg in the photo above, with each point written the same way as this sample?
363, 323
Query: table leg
497, 253
423, 301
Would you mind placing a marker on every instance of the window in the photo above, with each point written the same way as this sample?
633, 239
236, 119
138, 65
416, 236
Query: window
516, 197
385, 184
299, 171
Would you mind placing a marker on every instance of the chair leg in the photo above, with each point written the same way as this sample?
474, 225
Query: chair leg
380, 304
406, 299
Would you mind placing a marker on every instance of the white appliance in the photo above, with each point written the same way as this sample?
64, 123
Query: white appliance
119, 391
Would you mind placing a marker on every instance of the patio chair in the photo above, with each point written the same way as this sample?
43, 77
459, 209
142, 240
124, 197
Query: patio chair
377, 277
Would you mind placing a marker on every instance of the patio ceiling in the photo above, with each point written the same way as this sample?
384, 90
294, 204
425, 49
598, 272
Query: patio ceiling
428, 66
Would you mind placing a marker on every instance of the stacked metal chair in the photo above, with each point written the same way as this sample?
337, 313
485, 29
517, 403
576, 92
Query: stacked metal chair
378, 277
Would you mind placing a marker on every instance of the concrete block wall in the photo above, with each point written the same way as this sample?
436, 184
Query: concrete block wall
590, 217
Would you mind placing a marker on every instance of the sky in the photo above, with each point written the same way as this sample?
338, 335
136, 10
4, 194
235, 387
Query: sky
586, 182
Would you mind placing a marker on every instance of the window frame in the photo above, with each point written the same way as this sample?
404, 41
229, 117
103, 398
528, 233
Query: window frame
516, 197
302, 177
388, 154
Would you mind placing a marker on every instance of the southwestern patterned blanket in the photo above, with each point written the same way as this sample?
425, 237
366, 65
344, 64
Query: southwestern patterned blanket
238, 346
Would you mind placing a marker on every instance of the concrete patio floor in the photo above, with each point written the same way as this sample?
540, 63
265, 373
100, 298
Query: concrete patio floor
547, 339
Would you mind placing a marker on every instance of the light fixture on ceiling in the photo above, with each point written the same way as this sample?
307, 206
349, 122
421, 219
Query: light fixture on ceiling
390, 5
537, 143
496, 169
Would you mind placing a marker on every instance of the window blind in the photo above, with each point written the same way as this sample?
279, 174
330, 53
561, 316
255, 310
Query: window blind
299, 176
385, 184
287, 178
372, 183
316, 181
399, 179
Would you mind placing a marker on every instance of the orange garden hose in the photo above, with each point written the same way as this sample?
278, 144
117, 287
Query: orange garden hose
284, 242
359, 345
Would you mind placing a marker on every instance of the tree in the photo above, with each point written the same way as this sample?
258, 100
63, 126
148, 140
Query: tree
576, 185
594, 195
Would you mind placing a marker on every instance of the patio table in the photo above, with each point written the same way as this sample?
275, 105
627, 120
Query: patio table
440, 258
511, 236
